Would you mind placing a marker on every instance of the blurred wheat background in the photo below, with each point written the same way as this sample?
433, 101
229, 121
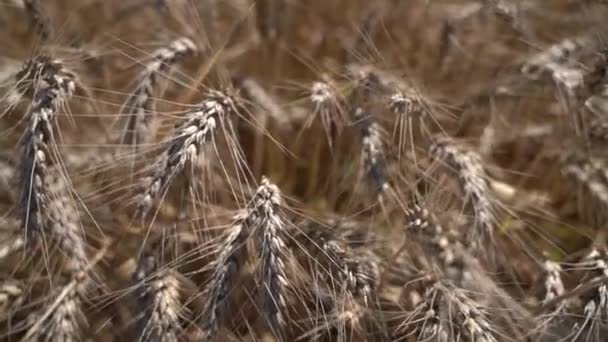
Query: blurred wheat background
282, 170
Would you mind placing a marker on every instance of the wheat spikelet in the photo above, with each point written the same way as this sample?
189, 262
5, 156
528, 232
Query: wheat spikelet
140, 105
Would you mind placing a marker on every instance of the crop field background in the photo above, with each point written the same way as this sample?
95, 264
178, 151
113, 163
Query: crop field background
284, 170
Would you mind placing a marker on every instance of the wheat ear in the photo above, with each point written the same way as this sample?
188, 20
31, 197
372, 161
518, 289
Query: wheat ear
227, 267
474, 180
159, 296
141, 101
270, 225
53, 86
186, 145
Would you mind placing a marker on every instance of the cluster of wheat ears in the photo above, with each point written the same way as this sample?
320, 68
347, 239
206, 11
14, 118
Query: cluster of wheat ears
319, 170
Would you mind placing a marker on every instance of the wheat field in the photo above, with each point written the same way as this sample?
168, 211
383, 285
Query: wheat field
283, 170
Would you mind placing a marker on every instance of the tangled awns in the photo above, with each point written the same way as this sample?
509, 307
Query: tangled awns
318, 170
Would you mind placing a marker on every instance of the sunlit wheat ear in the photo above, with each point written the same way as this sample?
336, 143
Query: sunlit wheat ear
186, 144
595, 310
555, 57
63, 320
160, 301
557, 63
53, 85
226, 268
140, 105
591, 173
270, 227
465, 318
264, 218
327, 107
372, 150
346, 269
554, 287
26, 78
469, 167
